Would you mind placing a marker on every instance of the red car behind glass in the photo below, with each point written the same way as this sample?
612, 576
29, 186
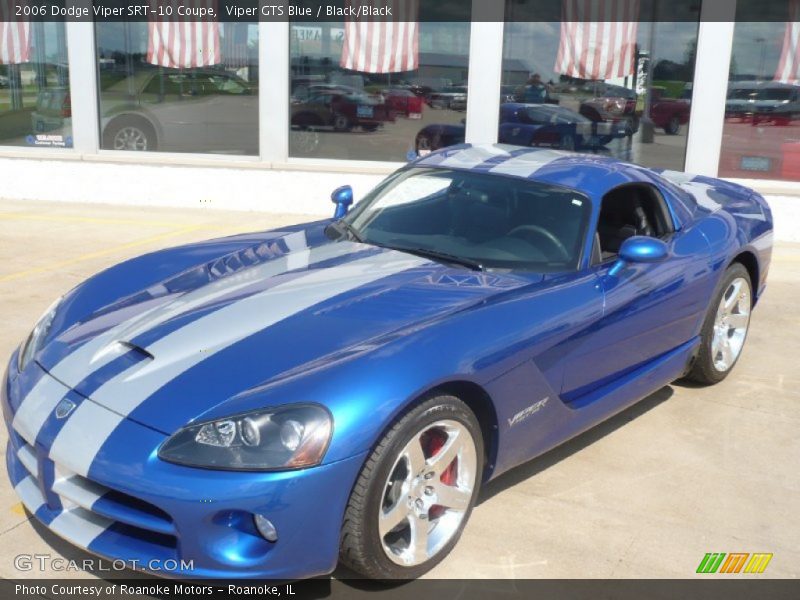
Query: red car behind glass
404, 102
339, 107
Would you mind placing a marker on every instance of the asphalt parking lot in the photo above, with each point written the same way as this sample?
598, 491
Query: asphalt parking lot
647, 494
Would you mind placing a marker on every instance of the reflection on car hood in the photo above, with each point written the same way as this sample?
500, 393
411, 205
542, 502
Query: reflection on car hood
172, 351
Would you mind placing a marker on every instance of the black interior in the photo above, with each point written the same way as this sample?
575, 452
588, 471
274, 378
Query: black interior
627, 211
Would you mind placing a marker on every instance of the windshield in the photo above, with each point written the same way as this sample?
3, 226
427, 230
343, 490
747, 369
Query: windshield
495, 221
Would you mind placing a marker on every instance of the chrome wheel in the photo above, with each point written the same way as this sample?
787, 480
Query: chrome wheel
130, 138
730, 325
428, 493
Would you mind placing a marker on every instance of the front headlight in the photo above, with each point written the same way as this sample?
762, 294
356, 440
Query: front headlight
34, 342
287, 437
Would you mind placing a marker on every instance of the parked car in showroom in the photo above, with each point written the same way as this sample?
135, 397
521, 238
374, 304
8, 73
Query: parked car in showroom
180, 110
453, 97
668, 114
777, 103
741, 99
403, 101
530, 125
53, 109
271, 404
341, 108
619, 105
612, 104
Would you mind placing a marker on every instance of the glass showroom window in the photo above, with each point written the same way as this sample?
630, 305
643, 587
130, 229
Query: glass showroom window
34, 86
761, 137
158, 92
619, 88
379, 91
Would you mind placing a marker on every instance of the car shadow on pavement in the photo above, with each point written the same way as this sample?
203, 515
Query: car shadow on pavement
567, 449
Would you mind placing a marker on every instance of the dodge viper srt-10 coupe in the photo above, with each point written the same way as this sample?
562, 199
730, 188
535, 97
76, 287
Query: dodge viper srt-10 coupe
272, 404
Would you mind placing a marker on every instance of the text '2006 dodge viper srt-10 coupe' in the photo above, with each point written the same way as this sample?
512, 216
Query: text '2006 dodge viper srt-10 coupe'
267, 405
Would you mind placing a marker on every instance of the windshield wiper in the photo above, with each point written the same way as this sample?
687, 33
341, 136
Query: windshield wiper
443, 257
341, 226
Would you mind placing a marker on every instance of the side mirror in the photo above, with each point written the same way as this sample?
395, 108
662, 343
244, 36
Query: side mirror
639, 249
343, 198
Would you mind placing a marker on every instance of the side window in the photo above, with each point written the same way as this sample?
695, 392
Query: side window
630, 210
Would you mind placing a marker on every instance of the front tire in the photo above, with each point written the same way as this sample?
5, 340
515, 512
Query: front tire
415, 492
725, 329
130, 133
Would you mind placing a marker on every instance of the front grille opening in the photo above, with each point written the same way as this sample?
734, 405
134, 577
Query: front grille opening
136, 504
168, 542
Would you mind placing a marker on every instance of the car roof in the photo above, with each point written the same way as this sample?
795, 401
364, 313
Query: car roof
587, 173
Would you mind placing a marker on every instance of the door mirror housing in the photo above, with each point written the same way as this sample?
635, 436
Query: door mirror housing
343, 198
639, 249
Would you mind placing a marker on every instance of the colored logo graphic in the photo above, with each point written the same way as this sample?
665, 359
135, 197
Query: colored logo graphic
736, 562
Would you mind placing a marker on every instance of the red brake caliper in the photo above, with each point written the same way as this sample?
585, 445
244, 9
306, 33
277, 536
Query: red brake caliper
433, 444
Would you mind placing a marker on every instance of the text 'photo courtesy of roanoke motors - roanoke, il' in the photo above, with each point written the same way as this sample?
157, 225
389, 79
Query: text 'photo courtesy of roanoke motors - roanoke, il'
400, 298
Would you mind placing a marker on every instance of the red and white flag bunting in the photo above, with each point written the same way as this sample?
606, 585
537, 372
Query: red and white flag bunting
598, 38
15, 36
179, 44
789, 64
390, 46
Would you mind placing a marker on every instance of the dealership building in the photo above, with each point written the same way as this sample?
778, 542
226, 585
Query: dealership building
272, 115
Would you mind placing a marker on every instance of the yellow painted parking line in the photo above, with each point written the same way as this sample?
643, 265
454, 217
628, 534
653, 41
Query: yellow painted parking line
13, 216
92, 255
18, 509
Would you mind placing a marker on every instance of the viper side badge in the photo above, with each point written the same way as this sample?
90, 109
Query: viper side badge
64, 408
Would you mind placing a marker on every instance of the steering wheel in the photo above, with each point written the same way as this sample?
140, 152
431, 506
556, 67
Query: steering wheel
535, 231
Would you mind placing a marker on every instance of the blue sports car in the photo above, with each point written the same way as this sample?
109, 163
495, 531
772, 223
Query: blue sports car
272, 404
540, 125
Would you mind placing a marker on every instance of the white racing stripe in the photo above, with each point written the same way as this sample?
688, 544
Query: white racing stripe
98, 352
472, 157
76, 490
526, 165
676, 177
28, 460
78, 442
37, 406
79, 526
29, 493
40, 402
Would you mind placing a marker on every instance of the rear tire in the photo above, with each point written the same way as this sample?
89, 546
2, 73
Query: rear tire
673, 127
341, 122
725, 329
415, 492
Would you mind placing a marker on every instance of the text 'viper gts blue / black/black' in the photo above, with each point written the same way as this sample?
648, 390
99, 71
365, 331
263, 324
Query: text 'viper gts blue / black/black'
267, 405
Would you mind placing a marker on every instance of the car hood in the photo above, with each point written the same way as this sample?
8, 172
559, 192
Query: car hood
166, 354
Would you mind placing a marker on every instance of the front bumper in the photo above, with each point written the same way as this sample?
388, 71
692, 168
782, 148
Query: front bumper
174, 520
